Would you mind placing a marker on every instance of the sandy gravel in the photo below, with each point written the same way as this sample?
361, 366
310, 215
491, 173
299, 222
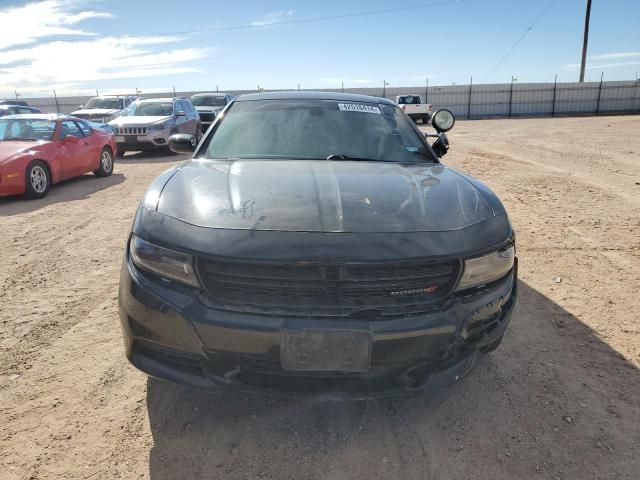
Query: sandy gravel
560, 399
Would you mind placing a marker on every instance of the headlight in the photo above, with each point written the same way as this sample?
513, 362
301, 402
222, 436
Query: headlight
162, 261
158, 127
488, 268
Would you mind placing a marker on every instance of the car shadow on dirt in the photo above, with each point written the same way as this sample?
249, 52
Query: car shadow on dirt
77, 188
553, 399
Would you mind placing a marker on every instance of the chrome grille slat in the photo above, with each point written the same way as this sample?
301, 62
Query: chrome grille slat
130, 130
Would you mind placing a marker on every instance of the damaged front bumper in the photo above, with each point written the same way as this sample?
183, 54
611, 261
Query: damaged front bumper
170, 333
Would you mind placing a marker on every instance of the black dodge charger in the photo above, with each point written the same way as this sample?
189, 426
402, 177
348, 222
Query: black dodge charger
316, 245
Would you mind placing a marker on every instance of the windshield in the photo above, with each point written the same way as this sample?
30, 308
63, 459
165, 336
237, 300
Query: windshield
409, 99
149, 109
26, 129
317, 129
107, 103
208, 101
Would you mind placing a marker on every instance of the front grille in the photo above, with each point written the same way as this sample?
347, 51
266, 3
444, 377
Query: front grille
347, 288
125, 130
207, 116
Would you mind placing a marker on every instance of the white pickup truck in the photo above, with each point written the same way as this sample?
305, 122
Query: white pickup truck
412, 105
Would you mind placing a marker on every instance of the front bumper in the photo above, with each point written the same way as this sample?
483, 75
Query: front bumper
12, 182
151, 141
171, 334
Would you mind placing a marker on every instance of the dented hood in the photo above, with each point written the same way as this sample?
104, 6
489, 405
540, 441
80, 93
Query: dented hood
322, 196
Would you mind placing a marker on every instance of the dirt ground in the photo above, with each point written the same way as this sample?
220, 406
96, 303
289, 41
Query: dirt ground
560, 399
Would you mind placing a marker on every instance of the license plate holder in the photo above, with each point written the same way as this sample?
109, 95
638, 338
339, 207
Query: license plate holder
325, 350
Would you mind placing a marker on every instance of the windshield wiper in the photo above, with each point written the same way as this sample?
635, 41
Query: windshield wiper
339, 156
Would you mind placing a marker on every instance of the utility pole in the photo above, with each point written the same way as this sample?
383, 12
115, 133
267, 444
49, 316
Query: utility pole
55, 96
585, 40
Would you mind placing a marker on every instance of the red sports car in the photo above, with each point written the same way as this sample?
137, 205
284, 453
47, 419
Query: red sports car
37, 151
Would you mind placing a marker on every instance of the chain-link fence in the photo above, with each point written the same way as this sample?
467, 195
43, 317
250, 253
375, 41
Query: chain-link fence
468, 101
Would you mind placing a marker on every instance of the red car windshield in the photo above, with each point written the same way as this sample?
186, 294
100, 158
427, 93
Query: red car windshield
26, 129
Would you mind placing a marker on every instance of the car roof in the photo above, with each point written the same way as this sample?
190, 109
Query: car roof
41, 116
9, 105
113, 96
212, 94
295, 95
162, 99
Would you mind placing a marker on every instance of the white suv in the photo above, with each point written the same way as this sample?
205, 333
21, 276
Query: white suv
104, 109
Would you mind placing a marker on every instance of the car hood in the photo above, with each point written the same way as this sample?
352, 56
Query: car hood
141, 120
321, 196
10, 150
95, 112
209, 109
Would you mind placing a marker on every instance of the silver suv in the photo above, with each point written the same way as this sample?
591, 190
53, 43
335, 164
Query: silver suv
105, 108
147, 124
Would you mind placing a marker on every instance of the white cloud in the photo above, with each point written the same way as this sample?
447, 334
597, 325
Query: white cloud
38, 63
93, 60
611, 56
602, 66
272, 18
608, 56
28, 23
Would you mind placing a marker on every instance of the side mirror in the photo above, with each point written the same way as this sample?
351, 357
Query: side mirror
81, 106
443, 120
71, 139
181, 113
183, 143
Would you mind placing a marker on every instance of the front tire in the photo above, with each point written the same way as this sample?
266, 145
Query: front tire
106, 163
37, 179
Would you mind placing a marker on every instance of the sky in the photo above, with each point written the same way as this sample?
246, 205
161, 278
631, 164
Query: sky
118, 46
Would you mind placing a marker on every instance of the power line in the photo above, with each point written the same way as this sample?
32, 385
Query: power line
524, 34
314, 19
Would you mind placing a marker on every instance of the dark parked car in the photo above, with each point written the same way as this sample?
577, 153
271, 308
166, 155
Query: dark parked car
209, 105
22, 103
316, 244
17, 110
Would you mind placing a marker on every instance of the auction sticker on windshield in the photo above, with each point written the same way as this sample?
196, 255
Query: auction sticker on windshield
358, 107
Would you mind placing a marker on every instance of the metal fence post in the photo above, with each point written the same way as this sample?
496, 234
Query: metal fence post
511, 97
555, 86
342, 87
426, 92
469, 105
599, 94
56, 98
